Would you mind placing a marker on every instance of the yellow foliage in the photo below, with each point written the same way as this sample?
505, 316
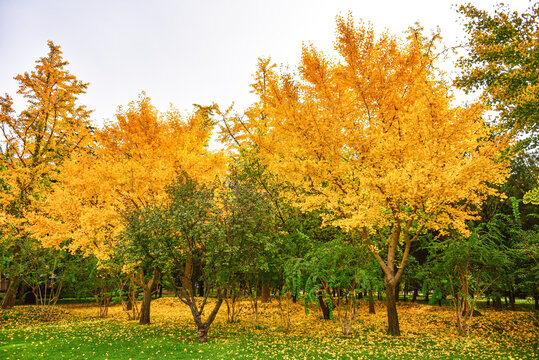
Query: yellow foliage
131, 162
372, 136
37, 141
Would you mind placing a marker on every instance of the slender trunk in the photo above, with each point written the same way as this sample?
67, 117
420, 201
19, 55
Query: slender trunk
414, 296
404, 291
512, 297
371, 303
391, 304
9, 298
324, 307
427, 297
201, 288
397, 290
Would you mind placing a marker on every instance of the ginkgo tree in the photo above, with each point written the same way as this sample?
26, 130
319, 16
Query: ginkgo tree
130, 162
371, 136
34, 144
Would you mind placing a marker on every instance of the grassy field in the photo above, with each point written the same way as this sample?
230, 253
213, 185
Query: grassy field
428, 333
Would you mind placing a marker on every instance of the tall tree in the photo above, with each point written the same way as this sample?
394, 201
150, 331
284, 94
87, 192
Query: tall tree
35, 143
372, 138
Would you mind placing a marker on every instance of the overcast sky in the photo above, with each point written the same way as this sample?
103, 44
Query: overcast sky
185, 52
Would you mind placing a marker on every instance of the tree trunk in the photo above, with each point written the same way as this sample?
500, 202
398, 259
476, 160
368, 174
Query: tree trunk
145, 309
147, 289
497, 303
536, 297
201, 288
324, 307
265, 296
414, 296
9, 298
427, 297
371, 303
203, 327
22, 292
203, 333
404, 291
512, 297
391, 304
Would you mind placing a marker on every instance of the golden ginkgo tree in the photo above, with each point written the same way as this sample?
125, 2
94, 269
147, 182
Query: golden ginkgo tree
130, 162
371, 137
34, 144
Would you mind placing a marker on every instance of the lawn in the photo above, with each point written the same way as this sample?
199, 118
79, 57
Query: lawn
428, 333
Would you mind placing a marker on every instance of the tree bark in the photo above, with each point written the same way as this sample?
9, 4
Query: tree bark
391, 305
147, 289
203, 327
392, 277
265, 296
371, 303
9, 298
145, 309
324, 307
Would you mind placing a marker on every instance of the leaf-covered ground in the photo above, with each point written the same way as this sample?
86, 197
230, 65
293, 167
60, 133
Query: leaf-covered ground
428, 333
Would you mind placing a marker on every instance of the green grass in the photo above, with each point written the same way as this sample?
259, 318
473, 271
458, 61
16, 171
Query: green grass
22, 336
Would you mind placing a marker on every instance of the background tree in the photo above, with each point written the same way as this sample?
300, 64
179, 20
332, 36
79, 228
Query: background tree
502, 61
34, 145
373, 139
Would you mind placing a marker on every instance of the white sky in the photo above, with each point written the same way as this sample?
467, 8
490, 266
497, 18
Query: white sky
185, 52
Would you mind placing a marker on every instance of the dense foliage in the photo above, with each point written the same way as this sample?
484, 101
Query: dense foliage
353, 180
